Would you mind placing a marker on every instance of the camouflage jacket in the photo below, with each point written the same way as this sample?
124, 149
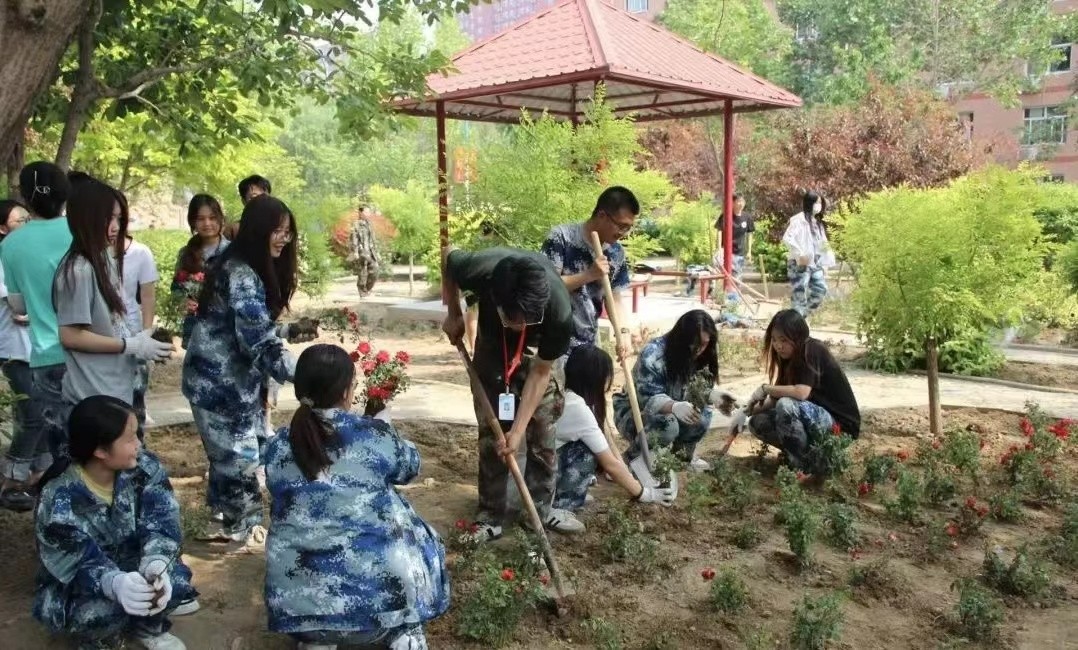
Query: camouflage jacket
347, 551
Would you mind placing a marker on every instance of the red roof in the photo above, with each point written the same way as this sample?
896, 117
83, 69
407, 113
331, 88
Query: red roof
552, 60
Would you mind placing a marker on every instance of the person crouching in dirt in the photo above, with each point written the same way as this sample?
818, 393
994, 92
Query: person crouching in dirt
108, 535
687, 354
523, 305
348, 561
581, 444
808, 396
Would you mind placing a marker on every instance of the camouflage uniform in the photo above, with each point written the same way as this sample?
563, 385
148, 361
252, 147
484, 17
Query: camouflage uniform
540, 466
793, 426
576, 468
347, 558
84, 543
363, 255
234, 348
653, 392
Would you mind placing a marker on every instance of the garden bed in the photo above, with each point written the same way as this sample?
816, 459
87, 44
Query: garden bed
895, 579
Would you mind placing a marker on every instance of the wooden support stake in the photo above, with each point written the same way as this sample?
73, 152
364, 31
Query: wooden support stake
935, 415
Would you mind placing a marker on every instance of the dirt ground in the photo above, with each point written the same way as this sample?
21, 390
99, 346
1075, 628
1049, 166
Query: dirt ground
663, 609
1057, 375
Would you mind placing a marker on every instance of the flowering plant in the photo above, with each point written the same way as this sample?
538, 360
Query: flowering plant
191, 283
343, 322
384, 376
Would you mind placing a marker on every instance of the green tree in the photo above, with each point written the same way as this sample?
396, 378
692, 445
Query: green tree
687, 232
414, 214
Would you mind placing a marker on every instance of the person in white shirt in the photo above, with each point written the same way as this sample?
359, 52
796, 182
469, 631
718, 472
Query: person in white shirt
808, 254
579, 438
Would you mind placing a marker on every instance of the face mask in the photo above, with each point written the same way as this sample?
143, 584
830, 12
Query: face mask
817, 208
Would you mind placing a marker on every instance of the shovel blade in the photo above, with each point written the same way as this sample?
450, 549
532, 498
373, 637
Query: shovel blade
642, 472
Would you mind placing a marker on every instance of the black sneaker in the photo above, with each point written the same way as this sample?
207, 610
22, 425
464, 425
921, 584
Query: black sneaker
16, 500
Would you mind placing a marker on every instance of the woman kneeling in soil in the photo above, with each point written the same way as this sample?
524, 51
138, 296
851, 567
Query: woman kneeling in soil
579, 436
808, 396
663, 373
108, 532
348, 559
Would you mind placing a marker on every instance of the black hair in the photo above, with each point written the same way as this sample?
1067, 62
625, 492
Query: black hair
261, 216
681, 365
521, 287
255, 181
614, 199
89, 214
737, 197
191, 255
324, 373
96, 422
589, 372
7, 208
45, 189
791, 325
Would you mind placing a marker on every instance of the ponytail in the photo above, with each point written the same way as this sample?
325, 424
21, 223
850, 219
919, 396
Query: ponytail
324, 375
311, 440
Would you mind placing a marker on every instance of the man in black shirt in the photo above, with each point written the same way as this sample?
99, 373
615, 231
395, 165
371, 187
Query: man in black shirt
744, 226
525, 323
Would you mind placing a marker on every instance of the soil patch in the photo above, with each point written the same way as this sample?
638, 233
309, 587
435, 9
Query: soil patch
1040, 374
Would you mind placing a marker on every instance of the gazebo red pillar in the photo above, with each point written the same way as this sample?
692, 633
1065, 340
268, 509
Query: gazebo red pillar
728, 192
443, 185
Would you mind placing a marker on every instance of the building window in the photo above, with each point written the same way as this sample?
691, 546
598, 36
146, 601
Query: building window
636, 6
1063, 64
965, 122
1045, 125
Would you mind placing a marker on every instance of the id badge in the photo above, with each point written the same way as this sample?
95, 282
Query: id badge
507, 407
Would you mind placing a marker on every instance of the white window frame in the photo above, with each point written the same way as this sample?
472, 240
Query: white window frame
636, 6
1039, 121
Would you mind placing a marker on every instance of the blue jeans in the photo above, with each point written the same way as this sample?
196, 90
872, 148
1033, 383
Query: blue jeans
793, 426
29, 451
48, 390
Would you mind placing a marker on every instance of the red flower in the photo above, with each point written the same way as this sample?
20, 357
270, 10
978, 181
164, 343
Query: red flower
982, 511
836, 430
864, 488
1004, 459
903, 455
951, 530
1048, 473
403, 357
352, 317
544, 578
1061, 429
936, 444
473, 529
181, 276
354, 356
198, 277
801, 476
971, 503
708, 574
377, 392
368, 367
1027, 427
1029, 446
508, 574
461, 524
855, 553
382, 357
364, 348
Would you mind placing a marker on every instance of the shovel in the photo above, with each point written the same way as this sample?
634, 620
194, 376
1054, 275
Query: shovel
642, 464
487, 413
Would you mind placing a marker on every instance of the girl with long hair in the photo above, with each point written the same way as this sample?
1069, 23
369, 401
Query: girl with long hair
101, 350
579, 437
206, 220
28, 456
808, 254
663, 372
348, 561
235, 346
108, 535
808, 396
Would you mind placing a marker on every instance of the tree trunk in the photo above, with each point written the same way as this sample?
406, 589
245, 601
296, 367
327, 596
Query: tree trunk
35, 35
85, 93
411, 274
935, 415
14, 163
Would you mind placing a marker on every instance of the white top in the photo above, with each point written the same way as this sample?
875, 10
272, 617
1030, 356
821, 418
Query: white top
14, 338
804, 239
577, 422
139, 269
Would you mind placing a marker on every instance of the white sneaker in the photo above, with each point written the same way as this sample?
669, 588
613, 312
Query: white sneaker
486, 532
186, 608
255, 538
218, 516
163, 641
563, 521
588, 498
699, 465
215, 532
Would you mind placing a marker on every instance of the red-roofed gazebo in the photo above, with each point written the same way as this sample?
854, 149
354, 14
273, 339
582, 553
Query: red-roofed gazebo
552, 61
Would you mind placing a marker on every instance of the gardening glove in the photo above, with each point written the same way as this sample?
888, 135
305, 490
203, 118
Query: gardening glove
723, 401
739, 421
759, 395
301, 331
685, 412
132, 592
156, 573
662, 495
143, 346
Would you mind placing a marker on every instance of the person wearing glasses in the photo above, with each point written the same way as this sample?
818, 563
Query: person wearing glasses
569, 249
235, 345
525, 325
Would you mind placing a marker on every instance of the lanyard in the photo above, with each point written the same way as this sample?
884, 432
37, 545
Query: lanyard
511, 365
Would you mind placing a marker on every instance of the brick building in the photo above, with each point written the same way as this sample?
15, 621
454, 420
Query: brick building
1037, 129
485, 20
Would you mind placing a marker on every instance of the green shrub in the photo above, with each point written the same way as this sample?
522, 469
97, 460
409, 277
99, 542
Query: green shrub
1065, 546
909, 492
817, 621
728, 593
748, 536
1025, 576
841, 526
626, 542
978, 614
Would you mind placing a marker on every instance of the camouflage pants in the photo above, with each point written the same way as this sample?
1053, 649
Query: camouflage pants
680, 437
539, 459
366, 274
793, 426
232, 447
576, 466
808, 286
412, 638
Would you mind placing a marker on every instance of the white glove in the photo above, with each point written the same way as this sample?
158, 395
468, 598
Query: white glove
722, 400
759, 395
685, 412
133, 593
739, 422
142, 346
156, 573
662, 496
384, 415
